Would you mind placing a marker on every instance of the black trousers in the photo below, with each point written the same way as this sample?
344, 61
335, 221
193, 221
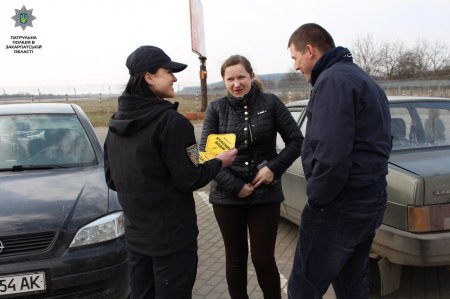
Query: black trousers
166, 277
262, 223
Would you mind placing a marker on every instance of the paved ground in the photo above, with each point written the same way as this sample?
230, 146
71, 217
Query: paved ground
211, 282
416, 283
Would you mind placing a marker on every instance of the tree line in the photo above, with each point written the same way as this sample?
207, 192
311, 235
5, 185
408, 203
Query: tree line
396, 60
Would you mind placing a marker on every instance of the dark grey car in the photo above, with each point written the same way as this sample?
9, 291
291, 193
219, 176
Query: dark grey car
61, 228
416, 224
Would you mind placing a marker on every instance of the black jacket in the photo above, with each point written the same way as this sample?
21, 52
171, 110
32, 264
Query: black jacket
151, 161
347, 142
255, 119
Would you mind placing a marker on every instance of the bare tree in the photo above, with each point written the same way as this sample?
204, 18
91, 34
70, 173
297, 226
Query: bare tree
396, 60
389, 55
437, 55
409, 65
365, 52
420, 50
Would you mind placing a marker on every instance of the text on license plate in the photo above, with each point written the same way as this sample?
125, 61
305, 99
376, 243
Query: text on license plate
22, 283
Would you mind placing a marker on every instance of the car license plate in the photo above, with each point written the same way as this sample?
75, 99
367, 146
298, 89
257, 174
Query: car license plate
22, 283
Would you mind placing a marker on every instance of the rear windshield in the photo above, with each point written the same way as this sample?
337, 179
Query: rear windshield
44, 139
420, 124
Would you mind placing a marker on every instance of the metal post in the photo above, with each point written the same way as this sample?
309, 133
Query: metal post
203, 84
197, 107
100, 102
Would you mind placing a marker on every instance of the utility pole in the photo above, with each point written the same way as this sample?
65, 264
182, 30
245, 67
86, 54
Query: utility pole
203, 84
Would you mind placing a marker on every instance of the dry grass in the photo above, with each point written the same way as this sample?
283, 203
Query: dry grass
99, 112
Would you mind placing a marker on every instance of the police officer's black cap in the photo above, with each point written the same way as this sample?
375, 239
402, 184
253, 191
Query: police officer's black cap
150, 58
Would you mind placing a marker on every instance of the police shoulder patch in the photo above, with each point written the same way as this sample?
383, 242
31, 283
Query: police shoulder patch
192, 152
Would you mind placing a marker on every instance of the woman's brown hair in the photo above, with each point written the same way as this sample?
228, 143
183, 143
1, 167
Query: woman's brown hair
239, 59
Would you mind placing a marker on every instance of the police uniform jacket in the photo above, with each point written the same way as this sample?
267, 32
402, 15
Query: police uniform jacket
151, 160
255, 119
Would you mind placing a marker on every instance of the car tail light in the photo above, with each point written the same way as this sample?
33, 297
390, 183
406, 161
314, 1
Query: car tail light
428, 218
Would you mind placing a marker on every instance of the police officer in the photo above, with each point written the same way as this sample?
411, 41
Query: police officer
151, 160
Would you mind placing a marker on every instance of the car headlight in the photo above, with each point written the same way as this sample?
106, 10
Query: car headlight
107, 228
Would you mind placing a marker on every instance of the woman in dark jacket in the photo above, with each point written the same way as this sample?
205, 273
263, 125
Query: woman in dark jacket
151, 160
248, 193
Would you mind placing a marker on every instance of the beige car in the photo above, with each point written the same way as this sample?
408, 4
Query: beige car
416, 224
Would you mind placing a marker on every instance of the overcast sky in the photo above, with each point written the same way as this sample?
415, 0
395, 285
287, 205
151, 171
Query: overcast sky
86, 42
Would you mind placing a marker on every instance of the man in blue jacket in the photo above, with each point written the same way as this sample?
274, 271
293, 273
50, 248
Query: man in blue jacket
344, 155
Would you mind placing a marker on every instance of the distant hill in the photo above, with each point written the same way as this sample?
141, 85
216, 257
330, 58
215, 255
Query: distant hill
266, 78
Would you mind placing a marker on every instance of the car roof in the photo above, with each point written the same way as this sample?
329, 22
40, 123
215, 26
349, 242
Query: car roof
35, 108
392, 99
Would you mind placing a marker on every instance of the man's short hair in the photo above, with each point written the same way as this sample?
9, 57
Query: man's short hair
311, 34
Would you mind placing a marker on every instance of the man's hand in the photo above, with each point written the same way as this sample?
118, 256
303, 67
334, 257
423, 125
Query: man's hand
264, 176
246, 190
227, 157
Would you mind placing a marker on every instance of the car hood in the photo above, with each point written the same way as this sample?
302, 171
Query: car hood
426, 162
34, 201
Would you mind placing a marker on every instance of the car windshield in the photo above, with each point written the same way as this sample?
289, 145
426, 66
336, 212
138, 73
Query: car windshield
420, 124
43, 141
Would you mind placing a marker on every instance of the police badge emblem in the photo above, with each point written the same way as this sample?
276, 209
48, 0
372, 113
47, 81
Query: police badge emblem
24, 17
192, 152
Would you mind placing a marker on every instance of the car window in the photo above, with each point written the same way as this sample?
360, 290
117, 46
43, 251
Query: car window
44, 139
400, 126
420, 124
296, 112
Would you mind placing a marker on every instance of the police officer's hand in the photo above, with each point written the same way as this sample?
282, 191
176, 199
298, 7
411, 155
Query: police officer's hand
264, 176
227, 157
246, 190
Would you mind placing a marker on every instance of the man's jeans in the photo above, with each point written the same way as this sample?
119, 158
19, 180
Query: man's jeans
333, 247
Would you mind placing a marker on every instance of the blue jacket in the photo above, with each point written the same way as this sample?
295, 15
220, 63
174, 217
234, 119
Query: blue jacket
347, 141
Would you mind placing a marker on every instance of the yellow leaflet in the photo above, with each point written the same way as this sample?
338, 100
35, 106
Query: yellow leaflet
204, 156
215, 144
